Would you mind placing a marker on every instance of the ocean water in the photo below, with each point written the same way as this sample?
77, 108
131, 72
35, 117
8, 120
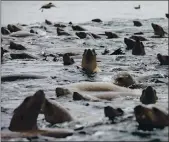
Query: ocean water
80, 11
117, 17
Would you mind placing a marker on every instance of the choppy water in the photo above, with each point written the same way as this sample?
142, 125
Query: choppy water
117, 17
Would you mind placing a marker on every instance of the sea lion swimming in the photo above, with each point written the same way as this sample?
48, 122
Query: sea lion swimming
158, 30
138, 48
163, 59
55, 113
25, 115
149, 118
24, 121
89, 63
22, 34
67, 60
148, 96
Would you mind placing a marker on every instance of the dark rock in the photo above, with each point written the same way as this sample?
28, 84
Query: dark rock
137, 23
118, 52
81, 35
97, 20
130, 43
78, 28
48, 22
163, 59
111, 35
5, 31
67, 60
21, 56
16, 46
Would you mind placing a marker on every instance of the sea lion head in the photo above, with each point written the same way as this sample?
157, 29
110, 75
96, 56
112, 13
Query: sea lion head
89, 60
160, 57
150, 118
124, 79
25, 115
158, 30
148, 96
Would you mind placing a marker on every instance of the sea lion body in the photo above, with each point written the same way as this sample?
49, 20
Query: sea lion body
56, 133
55, 113
99, 96
95, 90
89, 63
22, 34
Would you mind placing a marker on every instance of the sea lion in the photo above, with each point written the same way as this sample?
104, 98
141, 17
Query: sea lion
95, 36
22, 34
97, 20
2, 52
25, 115
158, 30
138, 38
16, 46
111, 113
56, 133
111, 35
130, 43
67, 60
48, 22
148, 96
106, 51
24, 120
78, 28
139, 33
121, 82
13, 28
61, 32
124, 79
15, 77
163, 59
149, 118
138, 48
137, 23
22, 56
59, 25
167, 15
81, 35
5, 31
118, 52
55, 113
89, 63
